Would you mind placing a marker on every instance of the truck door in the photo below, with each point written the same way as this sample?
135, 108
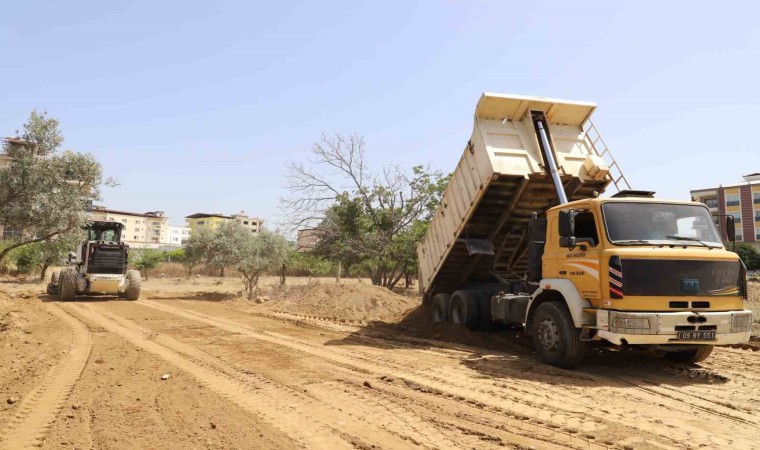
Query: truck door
580, 264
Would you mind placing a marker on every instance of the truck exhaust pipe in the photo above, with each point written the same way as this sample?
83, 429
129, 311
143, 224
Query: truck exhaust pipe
542, 131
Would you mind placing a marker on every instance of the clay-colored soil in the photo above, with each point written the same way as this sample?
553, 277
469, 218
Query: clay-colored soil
323, 366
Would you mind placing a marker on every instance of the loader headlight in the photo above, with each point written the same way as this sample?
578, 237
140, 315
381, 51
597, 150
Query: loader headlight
632, 324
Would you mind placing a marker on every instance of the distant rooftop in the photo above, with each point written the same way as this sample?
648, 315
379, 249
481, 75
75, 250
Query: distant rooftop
154, 214
204, 215
749, 179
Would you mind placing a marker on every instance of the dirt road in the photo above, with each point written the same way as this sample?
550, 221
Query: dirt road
240, 378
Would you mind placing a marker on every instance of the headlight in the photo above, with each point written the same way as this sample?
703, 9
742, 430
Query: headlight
632, 324
741, 323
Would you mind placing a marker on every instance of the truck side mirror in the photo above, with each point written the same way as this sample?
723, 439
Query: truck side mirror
567, 228
731, 228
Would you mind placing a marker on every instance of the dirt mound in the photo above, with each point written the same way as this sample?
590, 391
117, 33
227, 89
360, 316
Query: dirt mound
356, 301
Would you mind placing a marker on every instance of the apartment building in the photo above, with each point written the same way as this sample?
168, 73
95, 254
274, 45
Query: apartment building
252, 223
306, 240
203, 220
741, 200
141, 230
178, 236
214, 220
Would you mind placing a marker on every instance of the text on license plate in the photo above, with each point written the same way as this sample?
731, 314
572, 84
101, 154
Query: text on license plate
696, 335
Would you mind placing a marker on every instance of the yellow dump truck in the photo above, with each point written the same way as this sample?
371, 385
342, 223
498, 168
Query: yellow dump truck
522, 237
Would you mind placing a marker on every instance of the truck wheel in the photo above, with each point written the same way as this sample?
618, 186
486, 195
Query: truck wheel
690, 356
463, 309
440, 308
134, 282
555, 337
67, 285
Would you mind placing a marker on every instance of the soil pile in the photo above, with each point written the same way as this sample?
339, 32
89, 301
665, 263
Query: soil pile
355, 302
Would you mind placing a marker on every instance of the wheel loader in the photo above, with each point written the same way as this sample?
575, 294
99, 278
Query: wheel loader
98, 267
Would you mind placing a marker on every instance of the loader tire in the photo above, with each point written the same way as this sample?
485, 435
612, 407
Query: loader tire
52, 287
696, 355
439, 308
134, 282
555, 337
67, 285
464, 310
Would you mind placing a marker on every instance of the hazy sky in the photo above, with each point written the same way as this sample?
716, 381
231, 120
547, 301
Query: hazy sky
198, 106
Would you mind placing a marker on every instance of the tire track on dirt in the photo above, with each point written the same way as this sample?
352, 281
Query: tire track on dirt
519, 395
715, 407
562, 423
428, 433
309, 423
39, 408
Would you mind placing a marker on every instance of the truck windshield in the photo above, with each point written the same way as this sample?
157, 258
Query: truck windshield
630, 223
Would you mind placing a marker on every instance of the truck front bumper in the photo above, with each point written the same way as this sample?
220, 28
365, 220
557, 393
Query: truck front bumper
637, 328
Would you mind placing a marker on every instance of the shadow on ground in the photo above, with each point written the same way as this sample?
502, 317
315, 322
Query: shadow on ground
508, 354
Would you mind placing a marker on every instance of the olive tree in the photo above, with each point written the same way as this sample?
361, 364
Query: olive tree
44, 191
257, 253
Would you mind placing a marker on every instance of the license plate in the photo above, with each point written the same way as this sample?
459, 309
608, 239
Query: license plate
696, 335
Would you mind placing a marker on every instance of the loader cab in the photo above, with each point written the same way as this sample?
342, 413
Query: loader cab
104, 231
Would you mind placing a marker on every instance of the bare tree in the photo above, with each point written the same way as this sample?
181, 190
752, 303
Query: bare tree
357, 210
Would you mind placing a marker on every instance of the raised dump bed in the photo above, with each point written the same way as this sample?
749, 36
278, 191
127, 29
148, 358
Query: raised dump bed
479, 232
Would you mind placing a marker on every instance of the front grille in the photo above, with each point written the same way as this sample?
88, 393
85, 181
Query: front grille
107, 260
681, 278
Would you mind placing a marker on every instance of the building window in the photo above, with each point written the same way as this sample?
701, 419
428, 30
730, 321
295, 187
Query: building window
756, 196
157, 232
757, 216
737, 217
245, 222
732, 200
201, 222
123, 220
136, 238
711, 202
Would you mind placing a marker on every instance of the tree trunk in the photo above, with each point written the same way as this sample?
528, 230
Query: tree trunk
394, 281
338, 272
44, 272
282, 275
146, 274
376, 277
221, 272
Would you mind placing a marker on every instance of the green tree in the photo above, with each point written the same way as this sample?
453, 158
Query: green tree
223, 251
44, 191
198, 248
146, 259
750, 255
42, 255
372, 218
257, 253
177, 255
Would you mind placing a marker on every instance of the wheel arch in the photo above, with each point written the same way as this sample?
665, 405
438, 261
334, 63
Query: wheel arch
563, 291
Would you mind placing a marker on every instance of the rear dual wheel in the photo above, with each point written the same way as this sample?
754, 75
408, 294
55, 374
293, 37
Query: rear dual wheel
465, 309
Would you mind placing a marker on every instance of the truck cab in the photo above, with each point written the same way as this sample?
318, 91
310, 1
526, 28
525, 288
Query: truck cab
636, 271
